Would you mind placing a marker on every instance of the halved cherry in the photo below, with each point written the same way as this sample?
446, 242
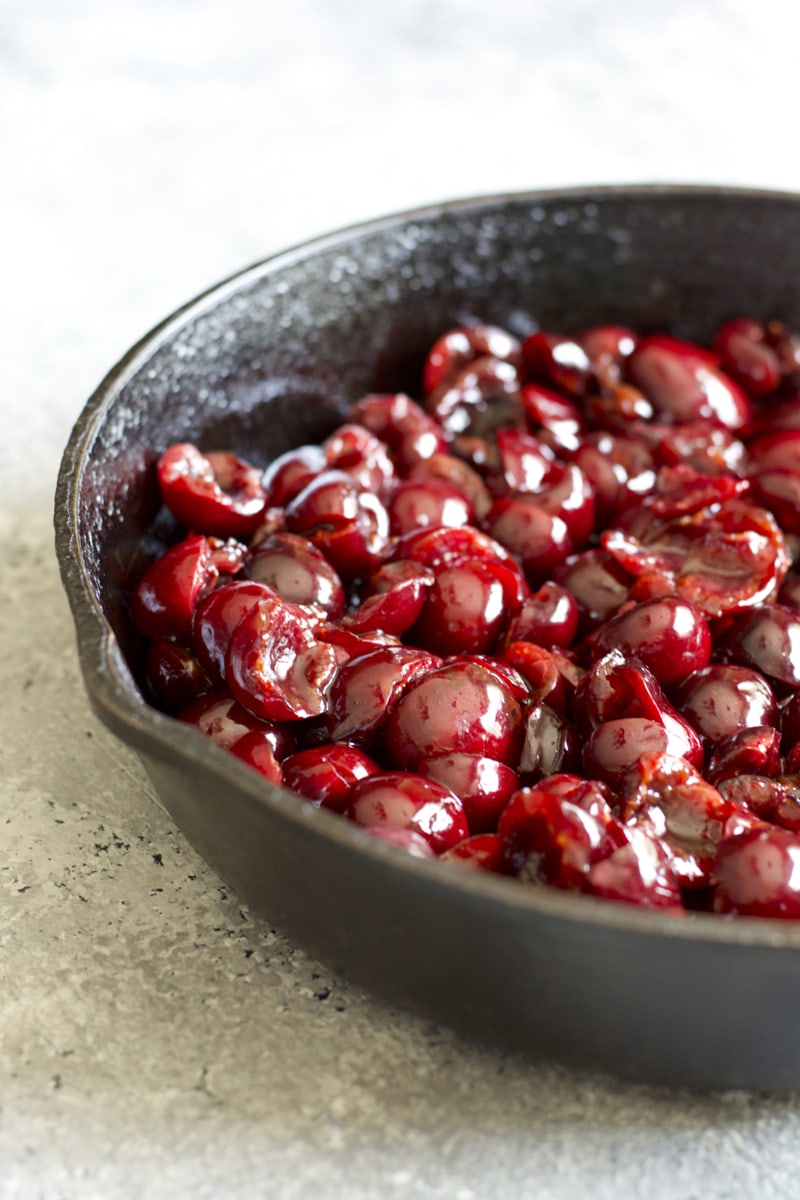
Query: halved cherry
275, 665
167, 594
216, 492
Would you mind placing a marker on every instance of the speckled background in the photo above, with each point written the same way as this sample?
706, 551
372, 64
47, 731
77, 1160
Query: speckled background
155, 1039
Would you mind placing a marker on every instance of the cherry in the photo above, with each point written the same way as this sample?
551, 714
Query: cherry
548, 839
222, 719
216, 492
215, 619
556, 360
257, 751
450, 353
719, 700
165, 597
460, 707
482, 851
757, 874
548, 618
752, 751
550, 746
367, 686
684, 384
458, 475
483, 785
325, 774
746, 355
464, 611
346, 522
422, 501
478, 400
294, 568
598, 583
361, 455
411, 434
287, 475
668, 635
639, 872
275, 665
767, 639
408, 840
174, 673
401, 800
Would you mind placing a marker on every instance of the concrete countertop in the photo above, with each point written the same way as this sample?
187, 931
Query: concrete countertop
155, 1038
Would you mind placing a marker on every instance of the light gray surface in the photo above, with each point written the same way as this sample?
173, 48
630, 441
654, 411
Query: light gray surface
155, 1039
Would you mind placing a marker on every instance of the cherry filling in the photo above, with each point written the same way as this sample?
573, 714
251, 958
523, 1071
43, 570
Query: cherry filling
543, 621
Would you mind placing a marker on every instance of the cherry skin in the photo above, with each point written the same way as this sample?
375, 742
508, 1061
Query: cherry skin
459, 708
408, 801
669, 635
720, 699
326, 774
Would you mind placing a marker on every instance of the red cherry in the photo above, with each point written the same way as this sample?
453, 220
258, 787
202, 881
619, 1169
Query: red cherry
216, 492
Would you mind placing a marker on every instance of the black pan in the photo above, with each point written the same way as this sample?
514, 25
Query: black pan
270, 359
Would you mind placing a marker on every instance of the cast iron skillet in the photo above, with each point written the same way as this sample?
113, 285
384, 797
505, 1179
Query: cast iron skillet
270, 359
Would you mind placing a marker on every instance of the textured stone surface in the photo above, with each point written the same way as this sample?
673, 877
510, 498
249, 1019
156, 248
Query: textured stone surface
154, 1038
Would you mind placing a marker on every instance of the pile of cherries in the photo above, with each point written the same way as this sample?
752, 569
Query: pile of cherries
543, 622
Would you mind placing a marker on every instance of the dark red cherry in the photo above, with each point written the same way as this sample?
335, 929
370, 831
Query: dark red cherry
616, 746
598, 583
551, 745
722, 699
167, 594
411, 434
326, 774
745, 354
482, 851
671, 801
547, 839
420, 502
538, 538
684, 383
639, 872
215, 619
256, 749
776, 801
348, 524
216, 492
275, 666
779, 491
222, 719
174, 673
459, 708
670, 636
767, 639
482, 784
620, 470
366, 687
294, 568
481, 398
406, 801
458, 475
608, 347
361, 455
757, 874
753, 751
455, 349
555, 360
464, 611
287, 475
555, 420
547, 618
525, 462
